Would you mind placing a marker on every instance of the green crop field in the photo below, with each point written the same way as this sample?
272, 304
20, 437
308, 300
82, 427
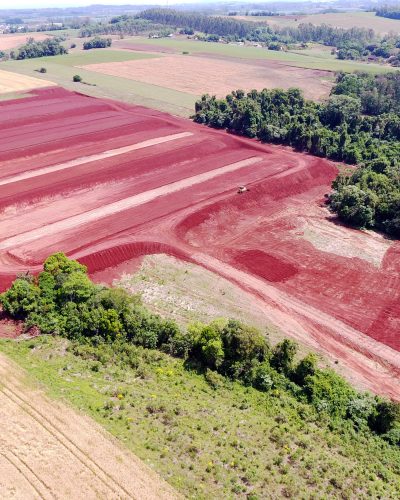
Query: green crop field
61, 69
94, 56
303, 60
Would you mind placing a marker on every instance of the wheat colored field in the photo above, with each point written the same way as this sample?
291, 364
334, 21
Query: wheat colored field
8, 42
13, 82
217, 76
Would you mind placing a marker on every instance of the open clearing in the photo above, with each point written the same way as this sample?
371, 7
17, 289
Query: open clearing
11, 82
366, 20
63, 190
48, 451
197, 76
8, 42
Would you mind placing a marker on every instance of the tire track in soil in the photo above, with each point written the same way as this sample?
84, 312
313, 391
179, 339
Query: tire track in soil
107, 480
124, 204
29, 475
29, 174
98, 468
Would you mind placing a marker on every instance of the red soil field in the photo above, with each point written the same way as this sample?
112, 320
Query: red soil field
106, 182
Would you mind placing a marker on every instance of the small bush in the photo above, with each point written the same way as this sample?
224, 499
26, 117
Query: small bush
42, 70
76, 78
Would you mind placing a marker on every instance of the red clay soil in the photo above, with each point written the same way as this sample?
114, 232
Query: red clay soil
329, 286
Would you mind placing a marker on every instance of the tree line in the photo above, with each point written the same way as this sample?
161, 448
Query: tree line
120, 25
62, 300
356, 125
390, 11
351, 43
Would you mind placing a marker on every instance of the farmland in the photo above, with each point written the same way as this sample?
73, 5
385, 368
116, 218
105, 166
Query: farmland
10, 82
107, 182
13, 41
61, 69
341, 20
197, 75
50, 451
326, 62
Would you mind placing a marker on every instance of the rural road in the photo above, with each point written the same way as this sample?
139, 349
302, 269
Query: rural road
48, 451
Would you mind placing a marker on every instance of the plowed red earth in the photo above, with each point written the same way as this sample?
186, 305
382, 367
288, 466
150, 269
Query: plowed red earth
106, 182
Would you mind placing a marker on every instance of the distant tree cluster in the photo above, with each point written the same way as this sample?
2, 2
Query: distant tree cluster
121, 25
62, 300
390, 11
357, 125
32, 49
97, 43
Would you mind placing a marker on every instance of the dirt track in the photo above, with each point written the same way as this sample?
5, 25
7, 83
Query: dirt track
179, 197
48, 451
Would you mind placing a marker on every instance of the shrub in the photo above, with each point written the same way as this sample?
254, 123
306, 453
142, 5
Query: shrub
42, 70
76, 78
329, 392
387, 416
283, 356
20, 299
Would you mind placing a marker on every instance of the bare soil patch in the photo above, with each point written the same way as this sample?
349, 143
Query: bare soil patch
217, 76
49, 451
277, 242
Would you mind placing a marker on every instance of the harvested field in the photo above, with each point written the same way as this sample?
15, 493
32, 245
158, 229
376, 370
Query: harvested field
368, 20
12, 82
218, 76
107, 183
49, 451
8, 42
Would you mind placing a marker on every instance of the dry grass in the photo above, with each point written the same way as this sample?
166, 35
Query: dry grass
13, 82
8, 42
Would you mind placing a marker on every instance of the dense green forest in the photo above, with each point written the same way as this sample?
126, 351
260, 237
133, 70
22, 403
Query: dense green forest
121, 25
32, 49
390, 11
63, 301
359, 124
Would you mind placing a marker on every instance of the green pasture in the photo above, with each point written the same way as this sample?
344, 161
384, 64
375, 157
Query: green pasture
61, 69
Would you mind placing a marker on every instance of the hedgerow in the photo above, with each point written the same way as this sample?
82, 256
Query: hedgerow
62, 300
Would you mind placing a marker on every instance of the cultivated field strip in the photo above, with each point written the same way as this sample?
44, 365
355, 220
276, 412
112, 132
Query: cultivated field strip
124, 204
35, 482
50, 441
96, 157
65, 441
